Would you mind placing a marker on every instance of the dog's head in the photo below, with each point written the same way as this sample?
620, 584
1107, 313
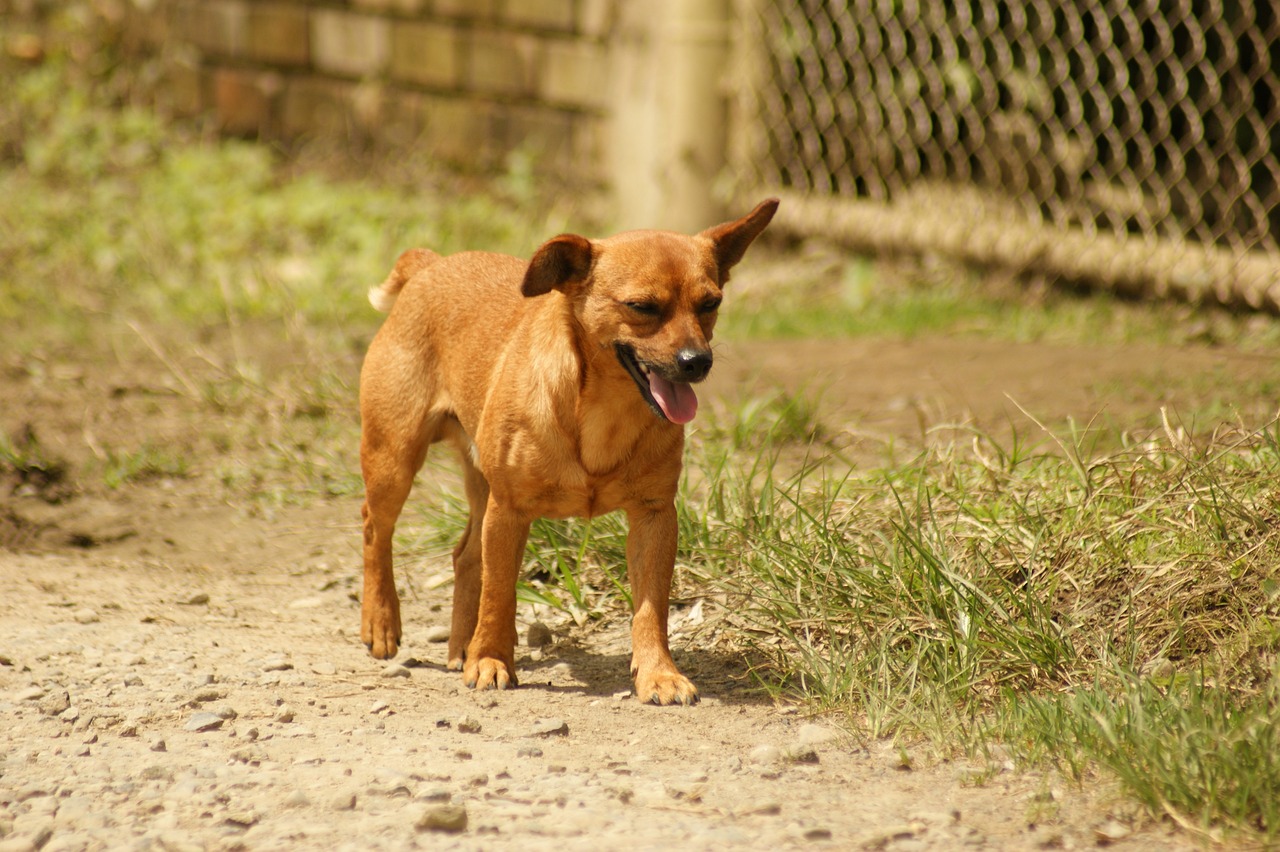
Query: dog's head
652, 297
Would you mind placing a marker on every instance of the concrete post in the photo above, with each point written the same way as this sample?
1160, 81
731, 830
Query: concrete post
670, 110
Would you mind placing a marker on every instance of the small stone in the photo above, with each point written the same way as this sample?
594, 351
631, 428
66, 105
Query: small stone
446, 818
277, 664
550, 728
324, 668
284, 714
396, 670
244, 818
812, 735
1111, 831
803, 754
158, 745
438, 633
86, 616
31, 693
129, 729
55, 702
539, 635
296, 799
765, 755
528, 751
434, 794
198, 599
380, 707
345, 801
207, 694
622, 696
201, 722
817, 834
468, 725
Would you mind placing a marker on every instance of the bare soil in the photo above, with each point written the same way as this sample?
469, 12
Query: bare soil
180, 665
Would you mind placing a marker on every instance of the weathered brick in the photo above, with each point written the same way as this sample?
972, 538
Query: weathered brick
540, 14
596, 18
279, 33
185, 87
459, 132
545, 134
215, 26
472, 10
575, 73
503, 63
242, 100
349, 44
312, 106
425, 53
403, 7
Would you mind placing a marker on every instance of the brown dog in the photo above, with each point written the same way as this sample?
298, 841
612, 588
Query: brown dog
564, 384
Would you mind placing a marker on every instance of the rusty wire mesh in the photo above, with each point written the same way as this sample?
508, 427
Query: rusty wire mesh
1136, 144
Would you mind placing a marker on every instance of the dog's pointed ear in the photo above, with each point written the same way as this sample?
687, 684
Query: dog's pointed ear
732, 239
558, 262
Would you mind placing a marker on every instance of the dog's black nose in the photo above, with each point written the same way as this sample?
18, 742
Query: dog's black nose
694, 364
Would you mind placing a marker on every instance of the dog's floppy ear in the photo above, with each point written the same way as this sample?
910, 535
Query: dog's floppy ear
559, 261
733, 238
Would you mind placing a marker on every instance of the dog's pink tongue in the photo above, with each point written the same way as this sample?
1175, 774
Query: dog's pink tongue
676, 399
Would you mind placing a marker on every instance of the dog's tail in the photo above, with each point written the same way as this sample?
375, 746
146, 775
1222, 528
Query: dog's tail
410, 264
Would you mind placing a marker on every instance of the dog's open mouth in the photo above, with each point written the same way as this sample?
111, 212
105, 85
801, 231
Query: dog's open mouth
674, 401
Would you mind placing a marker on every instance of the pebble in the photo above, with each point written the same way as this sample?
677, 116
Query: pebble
204, 722
539, 635
86, 616
284, 713
802, 754
467, 724
396, 670
55, 702
438, 633
277, 664
31, 693
765, 755
344, 801
812, 735
158, 745
446, 818
550, 728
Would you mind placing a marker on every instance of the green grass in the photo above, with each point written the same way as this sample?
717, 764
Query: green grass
1095, 600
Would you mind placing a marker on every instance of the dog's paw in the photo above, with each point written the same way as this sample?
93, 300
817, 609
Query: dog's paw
381, 634
665, 687
489, 673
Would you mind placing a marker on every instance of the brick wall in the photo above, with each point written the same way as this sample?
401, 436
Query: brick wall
470, 80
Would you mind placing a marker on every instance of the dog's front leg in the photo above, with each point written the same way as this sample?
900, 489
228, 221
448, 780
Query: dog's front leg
651, 557
491, 655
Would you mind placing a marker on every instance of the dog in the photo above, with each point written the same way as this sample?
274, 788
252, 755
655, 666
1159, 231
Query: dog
564, 384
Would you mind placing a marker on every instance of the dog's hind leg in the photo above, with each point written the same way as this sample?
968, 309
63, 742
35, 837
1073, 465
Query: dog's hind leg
393, 445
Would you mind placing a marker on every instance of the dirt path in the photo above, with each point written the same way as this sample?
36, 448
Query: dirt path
181, 672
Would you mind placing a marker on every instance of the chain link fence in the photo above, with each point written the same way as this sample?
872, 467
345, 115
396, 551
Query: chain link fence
1128, 145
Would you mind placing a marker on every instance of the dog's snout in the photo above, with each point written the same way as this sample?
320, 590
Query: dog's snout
694, 364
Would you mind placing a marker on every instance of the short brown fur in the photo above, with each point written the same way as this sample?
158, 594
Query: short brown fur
523, 368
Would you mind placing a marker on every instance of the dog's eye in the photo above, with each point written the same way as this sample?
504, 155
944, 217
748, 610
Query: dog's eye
709, 306
645, 309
